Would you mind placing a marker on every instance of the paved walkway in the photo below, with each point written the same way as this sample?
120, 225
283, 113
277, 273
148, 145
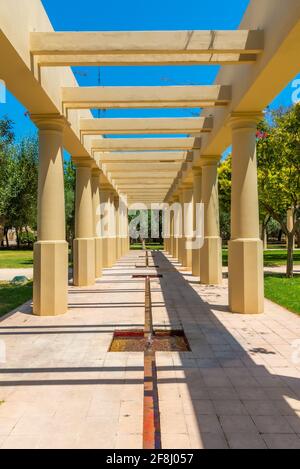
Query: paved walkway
9, 274
238, 388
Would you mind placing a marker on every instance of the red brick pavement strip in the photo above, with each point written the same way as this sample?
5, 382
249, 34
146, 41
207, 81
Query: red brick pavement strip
151, 424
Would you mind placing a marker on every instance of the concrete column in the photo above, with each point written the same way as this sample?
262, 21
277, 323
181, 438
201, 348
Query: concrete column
166, 245
50, 279
188, 225
176, 229
118, 228
127, 230
171, 232
197, 198
211, 252
97, 221
125, 242
111, 230
181, 241
245, 263
166, 235
104, 197
121, 226
84, 243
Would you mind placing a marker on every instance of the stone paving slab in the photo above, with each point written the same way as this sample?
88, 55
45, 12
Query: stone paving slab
239, 387
9, 274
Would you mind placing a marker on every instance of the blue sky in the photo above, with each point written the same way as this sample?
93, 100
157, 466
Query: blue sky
120, 15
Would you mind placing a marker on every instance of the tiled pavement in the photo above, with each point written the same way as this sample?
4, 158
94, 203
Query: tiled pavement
238, 388
9, 274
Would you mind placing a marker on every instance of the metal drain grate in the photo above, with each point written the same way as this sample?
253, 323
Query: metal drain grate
147, 276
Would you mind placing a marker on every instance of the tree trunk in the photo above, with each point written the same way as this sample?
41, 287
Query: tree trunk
264, 231
27, 233
6, 237
279, 236
18, 238
298, 238
290, 252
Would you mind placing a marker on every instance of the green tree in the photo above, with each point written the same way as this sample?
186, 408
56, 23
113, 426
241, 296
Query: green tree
19, 201
224, 178
278, 150
6, 170
18, 179
278, 154
7, 135
70, 184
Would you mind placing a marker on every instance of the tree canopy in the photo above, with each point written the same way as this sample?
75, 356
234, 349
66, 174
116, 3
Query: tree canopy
278, 158
19, 184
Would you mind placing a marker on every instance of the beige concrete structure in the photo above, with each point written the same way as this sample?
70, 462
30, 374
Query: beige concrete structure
211, 260
245, 262
197, 199
104, 197
84, 243
147, 144
188, 125
187, 200
97, 221
147, 42
51, 249
141, 97
112, 223
35, 67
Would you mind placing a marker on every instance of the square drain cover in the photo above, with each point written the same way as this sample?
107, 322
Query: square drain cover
137, 341
146, 275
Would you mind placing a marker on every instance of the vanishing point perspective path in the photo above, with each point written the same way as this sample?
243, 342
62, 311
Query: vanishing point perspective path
238, 387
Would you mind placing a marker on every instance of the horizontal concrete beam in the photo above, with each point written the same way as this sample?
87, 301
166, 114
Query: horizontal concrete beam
146, 192
187, 125
101, 60
146, 201
113, 97
146, 42
145, 174
115, 167
124, 185
141, 157
141, 144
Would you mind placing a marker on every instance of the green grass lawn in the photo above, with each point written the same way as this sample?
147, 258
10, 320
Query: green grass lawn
279, 289
12, 296
283, 291
272, 258
13, 259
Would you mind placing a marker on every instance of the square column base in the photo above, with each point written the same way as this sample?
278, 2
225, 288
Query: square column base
124, 246
119, 247
181, 251
104, 253
246, 276
176, 244
50, 278
98, 257
196, 262
211, 261
111, 251
84, 262
188, 256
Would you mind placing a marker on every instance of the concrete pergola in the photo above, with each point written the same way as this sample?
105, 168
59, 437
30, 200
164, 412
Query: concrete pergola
258, 60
